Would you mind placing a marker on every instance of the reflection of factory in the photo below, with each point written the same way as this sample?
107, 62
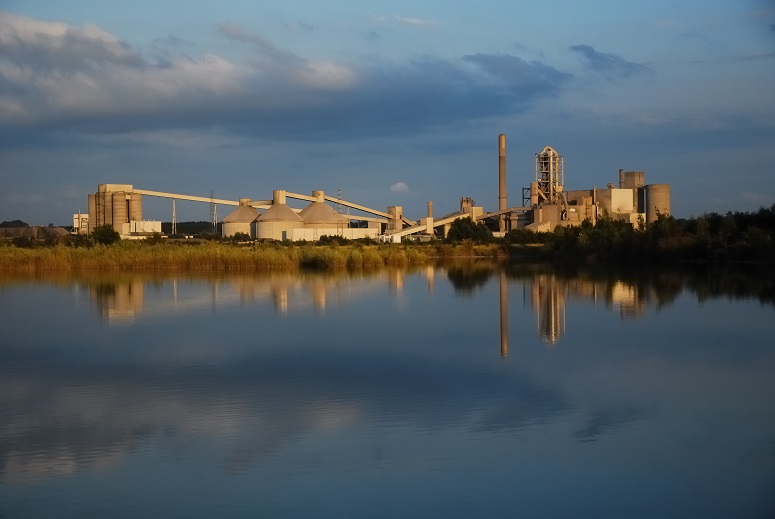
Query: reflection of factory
549, 294
121, 300
118, 302
546, 205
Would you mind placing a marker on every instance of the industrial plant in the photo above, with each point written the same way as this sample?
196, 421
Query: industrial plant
546, 204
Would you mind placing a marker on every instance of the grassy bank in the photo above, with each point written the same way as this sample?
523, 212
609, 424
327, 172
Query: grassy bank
206, 256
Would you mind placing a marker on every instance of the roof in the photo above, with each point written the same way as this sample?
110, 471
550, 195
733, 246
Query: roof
279, 213
319, 212
242, 214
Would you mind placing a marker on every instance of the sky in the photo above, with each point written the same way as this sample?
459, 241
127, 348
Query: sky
389, 103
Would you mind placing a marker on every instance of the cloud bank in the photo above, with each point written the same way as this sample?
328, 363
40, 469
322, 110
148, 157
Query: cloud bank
57, 76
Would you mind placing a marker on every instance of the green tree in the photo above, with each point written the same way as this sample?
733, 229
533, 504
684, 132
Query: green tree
105, 234
466, 229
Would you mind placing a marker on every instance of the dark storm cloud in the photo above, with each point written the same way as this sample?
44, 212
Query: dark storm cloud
608, 64
87, 80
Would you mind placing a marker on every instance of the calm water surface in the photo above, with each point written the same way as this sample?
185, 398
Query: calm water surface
451, 391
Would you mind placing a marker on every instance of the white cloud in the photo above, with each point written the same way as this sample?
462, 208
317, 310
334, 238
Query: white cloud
399, 187
414, 22
405, 20
57, 72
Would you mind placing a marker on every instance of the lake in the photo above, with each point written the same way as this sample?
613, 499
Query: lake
469, 390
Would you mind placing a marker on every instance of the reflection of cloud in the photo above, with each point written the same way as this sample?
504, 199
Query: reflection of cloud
607, 421
62, 420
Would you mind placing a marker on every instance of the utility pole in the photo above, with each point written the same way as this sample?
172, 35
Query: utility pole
213, 211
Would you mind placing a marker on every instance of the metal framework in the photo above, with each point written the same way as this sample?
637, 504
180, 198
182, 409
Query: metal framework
549, 175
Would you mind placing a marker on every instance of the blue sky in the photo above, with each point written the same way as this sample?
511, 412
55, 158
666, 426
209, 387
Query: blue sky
394, 103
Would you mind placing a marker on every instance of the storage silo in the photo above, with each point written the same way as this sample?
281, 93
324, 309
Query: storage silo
107, 200
120, 212
135, 207
319, 214
91, 201
656, 201
241, 220
277, 220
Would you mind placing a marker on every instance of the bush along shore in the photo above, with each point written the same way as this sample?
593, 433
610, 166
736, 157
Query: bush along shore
711, 238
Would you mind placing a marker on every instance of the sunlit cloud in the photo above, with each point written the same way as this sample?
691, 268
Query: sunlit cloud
399, 188
414, 22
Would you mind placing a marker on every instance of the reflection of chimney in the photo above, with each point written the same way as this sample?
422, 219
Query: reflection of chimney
502, 180
319, 296
280, 295
430, 273
504, 293
395, 279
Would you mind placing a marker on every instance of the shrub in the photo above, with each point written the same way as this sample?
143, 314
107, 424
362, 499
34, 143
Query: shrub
105, 235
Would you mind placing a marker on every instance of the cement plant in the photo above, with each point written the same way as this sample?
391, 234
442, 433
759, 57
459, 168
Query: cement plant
545, 205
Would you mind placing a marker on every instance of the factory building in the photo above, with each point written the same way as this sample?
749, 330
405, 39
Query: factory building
120, 206
547, 204
633, 201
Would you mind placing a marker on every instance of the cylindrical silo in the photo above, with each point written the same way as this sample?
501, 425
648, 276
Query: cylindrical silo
92, 202
241, 220
120, 210
276, 221
107, 218
656, 198
136, 207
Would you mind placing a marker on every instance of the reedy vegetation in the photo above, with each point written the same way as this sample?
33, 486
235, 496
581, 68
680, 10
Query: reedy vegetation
129, 255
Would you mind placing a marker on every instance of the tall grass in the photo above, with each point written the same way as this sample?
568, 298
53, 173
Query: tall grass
213, 256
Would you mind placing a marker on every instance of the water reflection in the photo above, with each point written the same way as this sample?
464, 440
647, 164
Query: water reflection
294, 380
548, 295
120, 299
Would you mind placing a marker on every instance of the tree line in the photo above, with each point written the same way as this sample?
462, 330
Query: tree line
712, 237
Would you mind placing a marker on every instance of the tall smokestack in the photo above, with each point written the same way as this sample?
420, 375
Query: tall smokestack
502, 180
